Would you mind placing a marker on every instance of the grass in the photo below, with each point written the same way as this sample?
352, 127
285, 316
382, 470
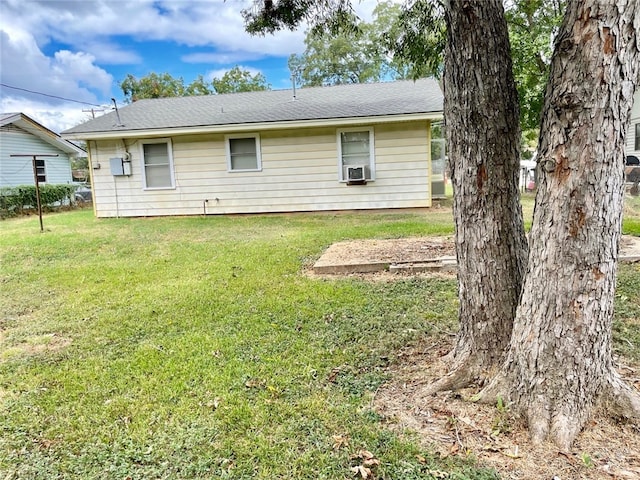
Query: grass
197, 348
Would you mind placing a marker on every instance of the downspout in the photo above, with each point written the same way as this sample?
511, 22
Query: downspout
429, 167
91, 181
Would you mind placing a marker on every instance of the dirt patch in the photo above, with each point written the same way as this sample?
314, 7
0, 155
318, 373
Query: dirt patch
413, 255
448, 424
394, 250
35, 345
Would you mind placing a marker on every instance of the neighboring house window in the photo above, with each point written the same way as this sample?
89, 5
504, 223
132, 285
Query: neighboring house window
157, 161
243, 153
356, 153
41, 171
637, 145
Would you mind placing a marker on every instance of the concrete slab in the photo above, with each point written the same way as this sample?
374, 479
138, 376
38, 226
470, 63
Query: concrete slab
413, 255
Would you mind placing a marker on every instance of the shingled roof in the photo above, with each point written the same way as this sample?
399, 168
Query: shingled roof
29, 125
399, 98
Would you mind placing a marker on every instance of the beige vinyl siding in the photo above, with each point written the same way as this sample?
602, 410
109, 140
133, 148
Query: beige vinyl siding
300, 172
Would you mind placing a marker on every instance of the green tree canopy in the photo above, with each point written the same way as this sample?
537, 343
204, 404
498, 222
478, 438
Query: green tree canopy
240, 80
533, 25
361, 52
413, 37
152, 85
348, 57
164, 85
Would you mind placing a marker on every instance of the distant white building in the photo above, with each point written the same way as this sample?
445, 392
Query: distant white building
22, 135
632, 144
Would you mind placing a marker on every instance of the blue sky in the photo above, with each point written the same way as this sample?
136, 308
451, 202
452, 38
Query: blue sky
81, 49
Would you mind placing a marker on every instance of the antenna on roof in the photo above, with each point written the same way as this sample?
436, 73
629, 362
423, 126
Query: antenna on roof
115, 106
294, 76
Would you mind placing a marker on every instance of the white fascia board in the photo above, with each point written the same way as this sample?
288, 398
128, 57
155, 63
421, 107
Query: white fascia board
252, 127
34, 128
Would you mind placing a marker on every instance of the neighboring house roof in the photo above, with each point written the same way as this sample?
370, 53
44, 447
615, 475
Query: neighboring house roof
29, 125
268, 109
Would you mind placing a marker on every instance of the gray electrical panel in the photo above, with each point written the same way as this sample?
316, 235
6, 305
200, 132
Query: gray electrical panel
120, 167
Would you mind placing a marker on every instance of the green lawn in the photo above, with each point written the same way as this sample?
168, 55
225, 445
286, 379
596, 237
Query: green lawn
198, 348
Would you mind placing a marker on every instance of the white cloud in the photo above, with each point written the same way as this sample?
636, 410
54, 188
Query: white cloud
217, 24
224, 58
64, 116
108, 53
79, 67
66, 74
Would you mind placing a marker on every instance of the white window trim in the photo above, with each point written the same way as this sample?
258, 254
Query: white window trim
227, 143
372, 152
144, 170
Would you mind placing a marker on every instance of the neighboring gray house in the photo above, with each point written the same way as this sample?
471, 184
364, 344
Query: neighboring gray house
20, 134
364, 146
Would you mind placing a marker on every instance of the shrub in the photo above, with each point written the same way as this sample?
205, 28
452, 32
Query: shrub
15, 200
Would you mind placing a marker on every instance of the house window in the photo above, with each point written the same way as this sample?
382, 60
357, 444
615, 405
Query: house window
243, 153
157, 164
637, 143
356, 154
41, 171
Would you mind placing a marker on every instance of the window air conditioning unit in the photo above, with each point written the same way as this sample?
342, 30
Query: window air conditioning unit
356, 174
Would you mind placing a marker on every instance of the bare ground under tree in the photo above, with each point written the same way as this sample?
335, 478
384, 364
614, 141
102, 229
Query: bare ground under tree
451, 425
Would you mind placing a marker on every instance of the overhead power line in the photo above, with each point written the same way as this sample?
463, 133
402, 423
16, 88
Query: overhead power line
51, 96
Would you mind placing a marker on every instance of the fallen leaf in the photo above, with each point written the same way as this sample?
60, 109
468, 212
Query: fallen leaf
333, 375
366, 454
438, 474
362, 471
340, 441
371, 462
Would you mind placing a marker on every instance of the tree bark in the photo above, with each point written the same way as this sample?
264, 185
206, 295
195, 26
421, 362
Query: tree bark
483, 138
559, 363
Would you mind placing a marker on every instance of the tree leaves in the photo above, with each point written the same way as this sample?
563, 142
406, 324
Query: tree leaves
368, 462
164, 85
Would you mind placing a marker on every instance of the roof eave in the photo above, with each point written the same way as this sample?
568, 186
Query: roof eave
250, 127
29, 125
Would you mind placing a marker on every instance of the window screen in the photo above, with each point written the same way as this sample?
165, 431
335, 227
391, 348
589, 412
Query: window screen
243, 154
157, 165
355, 148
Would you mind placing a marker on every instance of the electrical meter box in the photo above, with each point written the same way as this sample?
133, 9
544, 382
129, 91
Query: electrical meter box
120, 167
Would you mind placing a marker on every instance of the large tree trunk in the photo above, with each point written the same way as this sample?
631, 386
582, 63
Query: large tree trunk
483, 137
559, 363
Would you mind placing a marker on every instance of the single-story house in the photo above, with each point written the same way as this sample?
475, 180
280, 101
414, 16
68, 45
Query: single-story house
21, 135
364, 146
